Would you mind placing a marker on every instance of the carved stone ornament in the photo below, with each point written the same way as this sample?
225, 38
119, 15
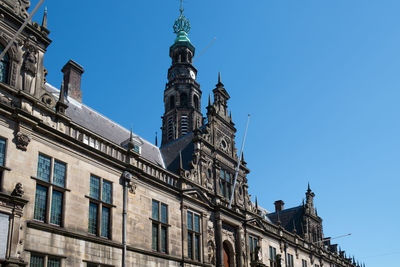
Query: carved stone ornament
18, 190
131, 181
20, 7
48, 100
5, 99
29, 66
22, 141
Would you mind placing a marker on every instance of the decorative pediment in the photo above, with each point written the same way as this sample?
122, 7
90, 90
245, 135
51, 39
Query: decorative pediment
197, 194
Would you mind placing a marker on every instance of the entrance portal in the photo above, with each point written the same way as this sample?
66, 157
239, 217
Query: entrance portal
227, 256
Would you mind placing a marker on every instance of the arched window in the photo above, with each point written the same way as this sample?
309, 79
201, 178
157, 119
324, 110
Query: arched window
171, 102
184, 100
196, 102
4, 66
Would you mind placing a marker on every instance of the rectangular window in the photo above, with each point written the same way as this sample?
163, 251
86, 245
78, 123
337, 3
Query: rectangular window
107, 189
272, 256
225, 184
50, 189
253, 243
159, 216
59, 173
89, 264
193, 235
40, 203
37, 261
290, 262
303, 263
94, 187
105, 222
100, 205
53, 262
93, 218
56, 208
4, 226
44, 166
2, 151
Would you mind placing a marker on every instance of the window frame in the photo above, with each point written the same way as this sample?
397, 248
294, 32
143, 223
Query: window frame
101, 204
51, 187
272, 256
303, 263
254, 241
160, 225
225, 186
46, 258
3, 166
7, 59
290, 260
193, 234
96, 264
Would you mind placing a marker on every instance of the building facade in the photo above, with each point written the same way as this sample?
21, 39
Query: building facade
77, 189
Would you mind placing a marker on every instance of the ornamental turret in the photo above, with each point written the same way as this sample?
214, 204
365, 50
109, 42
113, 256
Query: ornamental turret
182, 94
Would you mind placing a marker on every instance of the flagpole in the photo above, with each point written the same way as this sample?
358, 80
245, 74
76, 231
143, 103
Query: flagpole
20, 29
240, 160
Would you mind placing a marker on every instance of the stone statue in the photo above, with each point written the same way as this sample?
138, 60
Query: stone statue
29, 69
18, 190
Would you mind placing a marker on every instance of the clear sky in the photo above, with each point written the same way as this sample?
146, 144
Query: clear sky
320, 79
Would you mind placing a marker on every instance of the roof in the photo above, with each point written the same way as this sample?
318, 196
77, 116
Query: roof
170, 152
289, 219
105, 127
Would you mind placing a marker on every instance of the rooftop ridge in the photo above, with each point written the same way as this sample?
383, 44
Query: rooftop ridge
80, 105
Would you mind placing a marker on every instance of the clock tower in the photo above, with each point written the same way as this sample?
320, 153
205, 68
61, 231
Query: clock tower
182, 94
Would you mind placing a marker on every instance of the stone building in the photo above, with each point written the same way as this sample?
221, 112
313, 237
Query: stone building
77, 189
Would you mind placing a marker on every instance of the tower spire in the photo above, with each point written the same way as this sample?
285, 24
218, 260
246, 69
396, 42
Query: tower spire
181, 9
44, 21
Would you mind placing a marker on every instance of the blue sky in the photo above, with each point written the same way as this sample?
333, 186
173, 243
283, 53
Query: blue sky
320, 79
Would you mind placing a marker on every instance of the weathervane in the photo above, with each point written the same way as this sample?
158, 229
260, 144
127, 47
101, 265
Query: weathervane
182, 24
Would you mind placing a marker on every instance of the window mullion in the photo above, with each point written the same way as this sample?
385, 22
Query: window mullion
99, 212
48, 208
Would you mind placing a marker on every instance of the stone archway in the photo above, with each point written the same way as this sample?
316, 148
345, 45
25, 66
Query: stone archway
228, 260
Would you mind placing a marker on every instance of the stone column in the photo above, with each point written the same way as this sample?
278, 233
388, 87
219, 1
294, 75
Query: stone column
218, 234
240, 245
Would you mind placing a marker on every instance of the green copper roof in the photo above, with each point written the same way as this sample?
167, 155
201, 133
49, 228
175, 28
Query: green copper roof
181, 29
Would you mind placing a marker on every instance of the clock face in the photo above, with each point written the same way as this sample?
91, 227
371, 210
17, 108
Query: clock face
192, 74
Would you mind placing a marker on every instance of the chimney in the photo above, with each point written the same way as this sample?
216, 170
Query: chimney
279, 205
72, 80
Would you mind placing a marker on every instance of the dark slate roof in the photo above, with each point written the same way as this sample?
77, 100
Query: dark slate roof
170, 152
103, 126
289, 218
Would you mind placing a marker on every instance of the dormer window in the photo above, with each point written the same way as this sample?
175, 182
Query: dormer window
4, 66
136, 142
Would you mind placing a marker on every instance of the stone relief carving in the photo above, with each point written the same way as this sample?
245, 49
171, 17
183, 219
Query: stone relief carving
20, 7
18, 190
48, 100
207, 174
22, 141
6, 99
193, 173
210, 242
